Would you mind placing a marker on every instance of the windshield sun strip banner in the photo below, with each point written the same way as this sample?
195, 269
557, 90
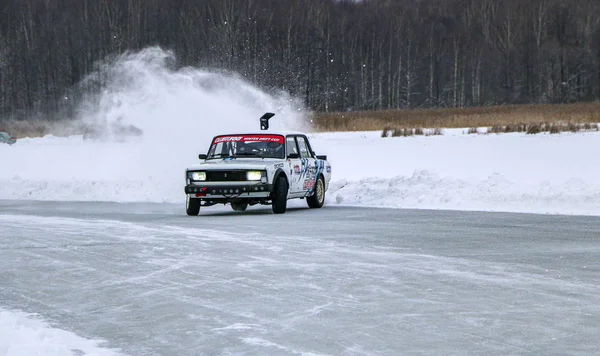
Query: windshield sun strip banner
249, 138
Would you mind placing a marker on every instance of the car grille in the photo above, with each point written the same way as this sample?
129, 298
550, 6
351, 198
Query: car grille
225, 176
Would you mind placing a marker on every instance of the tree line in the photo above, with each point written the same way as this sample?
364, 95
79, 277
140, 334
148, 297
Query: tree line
333, 54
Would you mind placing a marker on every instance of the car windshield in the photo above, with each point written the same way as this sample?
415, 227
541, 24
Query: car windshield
251, 146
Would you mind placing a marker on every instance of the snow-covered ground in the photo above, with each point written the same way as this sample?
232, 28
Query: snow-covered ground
508, 172
545, 173
23, 334
179, 111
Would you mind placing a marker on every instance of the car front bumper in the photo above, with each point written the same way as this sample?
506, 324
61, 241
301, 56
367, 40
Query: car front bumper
255, 190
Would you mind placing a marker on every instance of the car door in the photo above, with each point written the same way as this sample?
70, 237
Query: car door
295, 164
308, 165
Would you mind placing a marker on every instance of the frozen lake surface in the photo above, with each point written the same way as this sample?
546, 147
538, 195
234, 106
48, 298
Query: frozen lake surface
336, 281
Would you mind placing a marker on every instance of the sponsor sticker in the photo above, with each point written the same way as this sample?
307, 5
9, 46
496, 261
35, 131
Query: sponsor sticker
278, 165
227, 139
309, 184
328, 169
297, 169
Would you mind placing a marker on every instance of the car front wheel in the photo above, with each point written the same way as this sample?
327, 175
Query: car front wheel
280, 196
192, 206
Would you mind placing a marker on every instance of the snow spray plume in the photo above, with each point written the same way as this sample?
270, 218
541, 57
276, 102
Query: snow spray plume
164, 117
141, 93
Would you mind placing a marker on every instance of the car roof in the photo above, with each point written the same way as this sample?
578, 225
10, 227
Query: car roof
281, 133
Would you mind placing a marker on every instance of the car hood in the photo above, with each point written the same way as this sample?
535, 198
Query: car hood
230, 164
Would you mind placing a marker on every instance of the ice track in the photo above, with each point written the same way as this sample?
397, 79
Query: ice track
334, 281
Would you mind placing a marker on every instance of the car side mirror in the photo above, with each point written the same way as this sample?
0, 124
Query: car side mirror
323, 157
202, 156
293, 156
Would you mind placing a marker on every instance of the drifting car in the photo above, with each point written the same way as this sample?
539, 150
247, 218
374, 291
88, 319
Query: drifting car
6, 138
267, 168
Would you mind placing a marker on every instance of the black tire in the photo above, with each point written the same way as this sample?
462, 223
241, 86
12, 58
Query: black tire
317, 200
280, 193
192, 206
242, 206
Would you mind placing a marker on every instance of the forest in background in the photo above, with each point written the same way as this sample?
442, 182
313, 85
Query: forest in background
335, 55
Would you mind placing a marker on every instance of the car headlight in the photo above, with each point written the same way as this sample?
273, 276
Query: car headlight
197, 175
253, 175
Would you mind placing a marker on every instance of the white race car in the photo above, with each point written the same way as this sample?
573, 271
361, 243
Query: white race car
258, 168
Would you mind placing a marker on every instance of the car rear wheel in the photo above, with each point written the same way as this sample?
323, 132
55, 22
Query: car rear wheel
317, 200
280, 193
192, 206
242, 206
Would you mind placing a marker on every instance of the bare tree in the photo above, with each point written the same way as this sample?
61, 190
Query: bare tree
335, 54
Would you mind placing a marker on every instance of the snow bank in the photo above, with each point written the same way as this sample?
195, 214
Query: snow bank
507, 172
26, 335
544, 173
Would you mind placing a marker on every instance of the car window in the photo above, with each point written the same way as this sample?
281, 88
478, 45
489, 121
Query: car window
304, 153
290, 145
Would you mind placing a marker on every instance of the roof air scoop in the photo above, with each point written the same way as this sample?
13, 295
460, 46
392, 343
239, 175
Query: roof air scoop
264, 120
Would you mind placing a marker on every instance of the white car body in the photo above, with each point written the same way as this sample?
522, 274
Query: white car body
226, 178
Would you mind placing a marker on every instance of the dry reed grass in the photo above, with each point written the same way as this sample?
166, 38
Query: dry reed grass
406, 132
517, 116
510, 118
532, 129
